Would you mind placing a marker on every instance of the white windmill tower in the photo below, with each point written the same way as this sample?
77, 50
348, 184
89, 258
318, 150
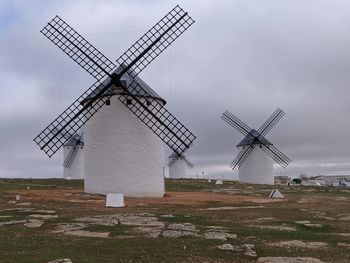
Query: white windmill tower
177, 165
254, 166
73, 157
125, 121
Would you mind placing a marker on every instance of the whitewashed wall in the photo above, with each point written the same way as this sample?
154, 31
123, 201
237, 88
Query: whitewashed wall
122, 155
257, 168
76, 170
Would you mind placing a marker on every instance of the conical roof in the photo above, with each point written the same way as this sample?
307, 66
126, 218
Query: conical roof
254, 137
126, 81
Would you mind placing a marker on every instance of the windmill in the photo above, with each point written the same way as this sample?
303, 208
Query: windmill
177, 165
254, 160
124, 140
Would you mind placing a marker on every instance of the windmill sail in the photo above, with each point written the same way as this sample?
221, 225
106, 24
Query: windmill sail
136, 58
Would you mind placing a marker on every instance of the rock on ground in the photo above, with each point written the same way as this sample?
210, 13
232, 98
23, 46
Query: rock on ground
219, 235
61, 260
247, 249
84, 233
13, 222
288, 260
298, 243
33, 223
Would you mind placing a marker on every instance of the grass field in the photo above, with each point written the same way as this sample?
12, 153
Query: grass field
55, 219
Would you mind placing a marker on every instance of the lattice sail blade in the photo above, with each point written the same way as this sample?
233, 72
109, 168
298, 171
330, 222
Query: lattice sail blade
68, 161
72, 119
187, 161
156, 40
241, 157
276, 155
236, 123
78, 48
166, 126
271, 121
172, 161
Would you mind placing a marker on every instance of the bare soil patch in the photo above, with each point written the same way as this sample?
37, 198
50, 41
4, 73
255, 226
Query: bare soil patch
170, 198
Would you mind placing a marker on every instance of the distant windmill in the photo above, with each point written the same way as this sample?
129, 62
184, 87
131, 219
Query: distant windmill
177, 165
122, 154
253, 164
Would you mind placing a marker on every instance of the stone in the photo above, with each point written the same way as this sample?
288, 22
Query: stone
115, 200
178, 233
67, 227
177, 230
234, 207
314, 225
345, 218
12, 222
280, 228
61, 260
139, 220
24, 203
226, 247
153, 232
84, 233
183, 227
5, 216
288, 260
247, 249
45, 211
212, 234
346, 245
302, 222
299, 243
34, 223
43, 216
167, 216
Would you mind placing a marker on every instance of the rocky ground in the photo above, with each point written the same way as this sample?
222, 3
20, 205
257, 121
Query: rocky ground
197, 221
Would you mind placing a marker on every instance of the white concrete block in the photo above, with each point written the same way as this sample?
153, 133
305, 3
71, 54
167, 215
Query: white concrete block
115, 200
275, 194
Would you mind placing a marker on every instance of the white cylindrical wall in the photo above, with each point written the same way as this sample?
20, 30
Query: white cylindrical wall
178, 169
76, 170
122, 155
257, 168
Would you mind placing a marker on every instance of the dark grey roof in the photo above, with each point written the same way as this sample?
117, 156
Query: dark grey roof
76, 139
126, 80
254, 137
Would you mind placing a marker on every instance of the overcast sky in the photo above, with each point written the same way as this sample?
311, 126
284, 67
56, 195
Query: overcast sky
248, 57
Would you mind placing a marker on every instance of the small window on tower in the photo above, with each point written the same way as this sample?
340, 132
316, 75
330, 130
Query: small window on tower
108, 102
128, 101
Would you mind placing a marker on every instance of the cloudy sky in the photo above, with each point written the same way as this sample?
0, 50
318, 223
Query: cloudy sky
246, 56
